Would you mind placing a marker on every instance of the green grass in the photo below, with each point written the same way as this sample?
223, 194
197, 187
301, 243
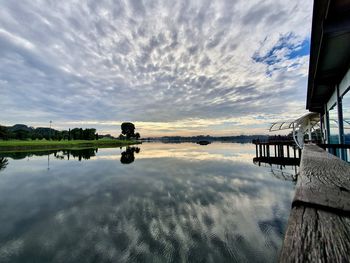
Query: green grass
14, 145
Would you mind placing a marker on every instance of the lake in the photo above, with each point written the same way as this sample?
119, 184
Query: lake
154, 203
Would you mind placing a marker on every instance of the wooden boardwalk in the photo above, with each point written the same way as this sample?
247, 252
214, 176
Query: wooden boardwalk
319, 224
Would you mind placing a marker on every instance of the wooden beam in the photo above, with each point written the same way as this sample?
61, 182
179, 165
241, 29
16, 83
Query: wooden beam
319, 224
314, 235
324, 180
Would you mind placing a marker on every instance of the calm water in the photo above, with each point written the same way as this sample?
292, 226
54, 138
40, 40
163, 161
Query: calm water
159, 203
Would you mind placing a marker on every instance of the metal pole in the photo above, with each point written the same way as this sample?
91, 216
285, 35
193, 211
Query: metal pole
50, 130
340, 123
309, 129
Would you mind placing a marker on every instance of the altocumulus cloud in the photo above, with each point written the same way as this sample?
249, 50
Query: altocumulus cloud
222, 66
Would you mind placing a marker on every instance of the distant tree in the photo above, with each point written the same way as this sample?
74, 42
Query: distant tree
128, 129
137, 136
4, 134
89, 134
21, 134
96, 136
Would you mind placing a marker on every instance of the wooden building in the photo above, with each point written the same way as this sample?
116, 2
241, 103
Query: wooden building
329, 71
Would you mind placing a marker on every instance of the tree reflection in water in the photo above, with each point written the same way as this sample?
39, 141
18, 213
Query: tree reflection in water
3, 163
128, 156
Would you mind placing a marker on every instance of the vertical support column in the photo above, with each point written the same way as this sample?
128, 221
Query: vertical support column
309, 129
276, 155
256, 150
327, 124
287, 150
321, 127
340, 123
260, 150
340, 117
264, 146
268, 150
295, 154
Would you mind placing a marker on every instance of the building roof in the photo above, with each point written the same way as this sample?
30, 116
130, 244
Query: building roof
329, 51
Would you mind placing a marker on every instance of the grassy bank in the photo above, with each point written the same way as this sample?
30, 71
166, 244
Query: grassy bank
19, 145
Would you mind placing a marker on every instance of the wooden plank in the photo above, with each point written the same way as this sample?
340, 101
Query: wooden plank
324, 180
315, 235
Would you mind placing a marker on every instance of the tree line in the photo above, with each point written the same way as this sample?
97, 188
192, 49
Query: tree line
23, 132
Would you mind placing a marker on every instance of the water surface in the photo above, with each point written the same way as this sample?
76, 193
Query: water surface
160, 203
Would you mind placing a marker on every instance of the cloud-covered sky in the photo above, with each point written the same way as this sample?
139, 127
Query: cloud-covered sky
171, 67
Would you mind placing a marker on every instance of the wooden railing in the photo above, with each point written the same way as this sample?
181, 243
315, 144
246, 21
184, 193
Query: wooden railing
319, 223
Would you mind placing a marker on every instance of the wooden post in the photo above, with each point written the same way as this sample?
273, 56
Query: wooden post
256, 150
260, 150
268, 150
264, 146
282, 150
287, 150
275, 151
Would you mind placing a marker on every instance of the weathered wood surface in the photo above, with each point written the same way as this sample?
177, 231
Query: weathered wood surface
314, 235
319, 224
324, 180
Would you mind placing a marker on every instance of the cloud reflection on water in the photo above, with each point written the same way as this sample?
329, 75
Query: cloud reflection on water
163, 209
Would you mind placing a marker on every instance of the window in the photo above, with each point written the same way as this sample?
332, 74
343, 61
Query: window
333, 125
346, 116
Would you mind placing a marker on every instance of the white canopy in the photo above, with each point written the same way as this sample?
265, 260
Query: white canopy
300, 126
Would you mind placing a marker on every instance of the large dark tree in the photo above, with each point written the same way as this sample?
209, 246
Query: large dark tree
128, 129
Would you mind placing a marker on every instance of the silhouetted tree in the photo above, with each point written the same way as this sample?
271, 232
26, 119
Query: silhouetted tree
128, 129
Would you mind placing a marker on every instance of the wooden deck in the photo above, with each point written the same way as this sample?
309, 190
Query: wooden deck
319, 224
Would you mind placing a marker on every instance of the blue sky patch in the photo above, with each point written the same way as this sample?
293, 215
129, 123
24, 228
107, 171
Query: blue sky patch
286, 44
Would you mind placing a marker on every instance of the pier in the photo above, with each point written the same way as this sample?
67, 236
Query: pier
278, 152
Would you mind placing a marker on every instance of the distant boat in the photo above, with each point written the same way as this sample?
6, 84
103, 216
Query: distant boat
203, 142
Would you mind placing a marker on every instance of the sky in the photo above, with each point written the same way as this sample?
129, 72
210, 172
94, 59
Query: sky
171, 67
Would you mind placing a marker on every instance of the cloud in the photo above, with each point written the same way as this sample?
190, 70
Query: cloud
152, 61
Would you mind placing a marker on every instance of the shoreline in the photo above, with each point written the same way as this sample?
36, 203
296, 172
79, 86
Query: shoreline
18, 146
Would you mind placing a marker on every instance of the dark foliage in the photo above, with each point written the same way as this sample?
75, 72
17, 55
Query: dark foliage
128, 129
23, 132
